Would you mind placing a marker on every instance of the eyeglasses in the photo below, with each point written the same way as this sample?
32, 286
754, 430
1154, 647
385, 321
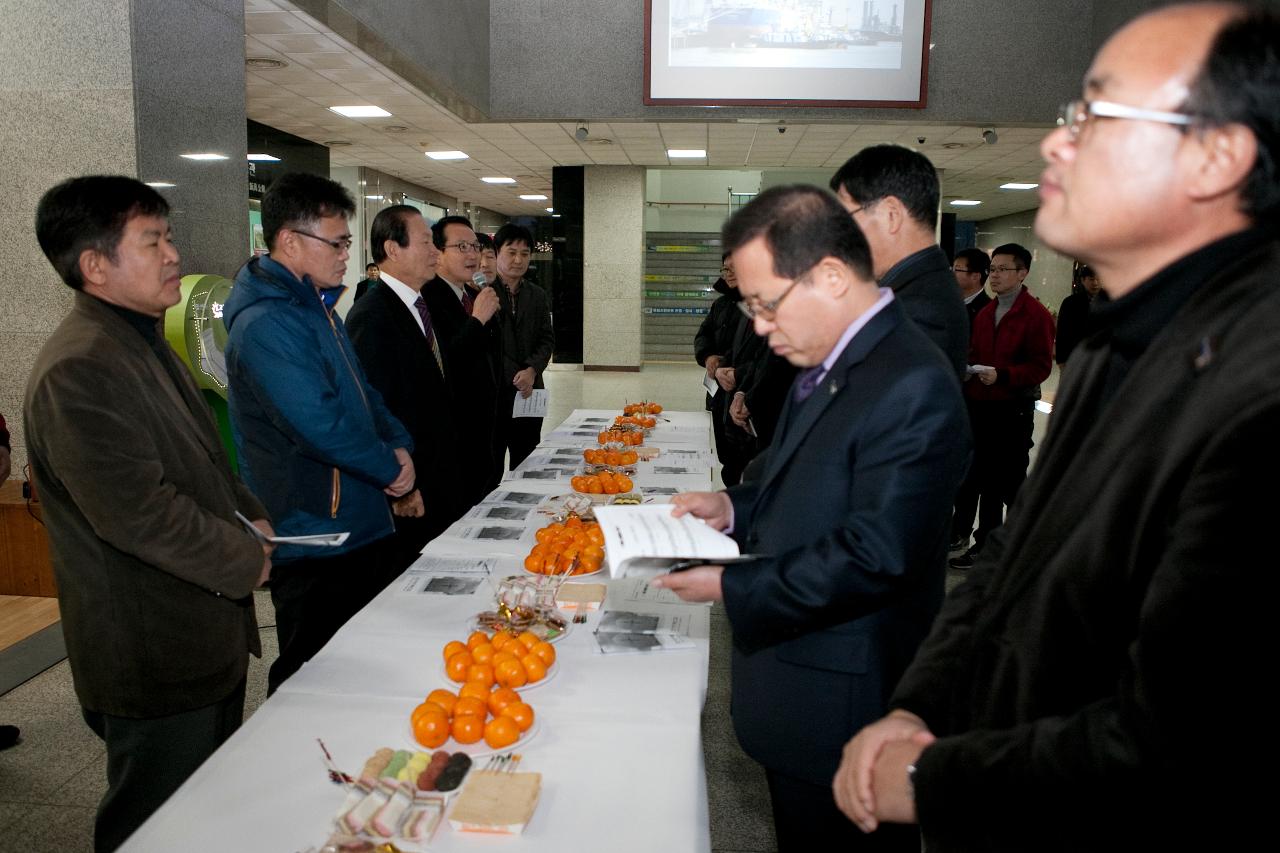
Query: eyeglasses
463, 247
1076, 114
768, 310
962, 269
339, 245
1003, 269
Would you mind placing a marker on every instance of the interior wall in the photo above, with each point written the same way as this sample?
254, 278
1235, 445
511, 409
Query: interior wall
1050, 276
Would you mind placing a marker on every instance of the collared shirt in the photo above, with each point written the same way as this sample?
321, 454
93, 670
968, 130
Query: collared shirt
886, 296
973, 296
407, 295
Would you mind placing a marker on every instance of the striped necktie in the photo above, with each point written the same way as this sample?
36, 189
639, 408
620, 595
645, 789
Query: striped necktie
430, 332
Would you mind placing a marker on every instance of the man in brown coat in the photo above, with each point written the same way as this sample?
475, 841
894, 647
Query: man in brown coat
155, 573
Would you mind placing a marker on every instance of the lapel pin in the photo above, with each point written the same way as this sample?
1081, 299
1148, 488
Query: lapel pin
832, 388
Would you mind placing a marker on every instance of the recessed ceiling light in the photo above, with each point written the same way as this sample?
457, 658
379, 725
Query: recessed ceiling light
551, 210
337, 143
447, 155
263, 158
395, 128
264, 62
160, 185
499, 180
965, 202
374, 197
207, 155
534, 197
1014, 185
362, 111
691, 153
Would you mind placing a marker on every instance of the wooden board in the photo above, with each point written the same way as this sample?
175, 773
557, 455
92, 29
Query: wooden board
25, 568
21, 616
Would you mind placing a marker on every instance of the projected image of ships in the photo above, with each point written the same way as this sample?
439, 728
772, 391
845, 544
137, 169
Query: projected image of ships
786, 34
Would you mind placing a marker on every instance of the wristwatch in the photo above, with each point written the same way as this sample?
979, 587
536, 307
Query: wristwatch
911, 781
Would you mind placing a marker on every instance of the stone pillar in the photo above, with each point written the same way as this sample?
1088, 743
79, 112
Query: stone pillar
114, 87
613, 266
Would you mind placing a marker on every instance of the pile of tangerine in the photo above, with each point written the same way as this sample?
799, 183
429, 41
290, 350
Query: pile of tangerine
499, 716
604, 456
642, 409
636, 421
604, 483
501, 659
629, 437
560, 543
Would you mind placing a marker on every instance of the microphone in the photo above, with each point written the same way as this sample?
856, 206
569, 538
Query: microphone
479, 280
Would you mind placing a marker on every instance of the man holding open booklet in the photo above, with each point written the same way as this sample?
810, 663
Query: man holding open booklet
847, 522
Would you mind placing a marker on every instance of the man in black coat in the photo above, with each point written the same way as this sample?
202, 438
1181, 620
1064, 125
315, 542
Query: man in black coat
711, 347
892, 193
970, 268
467, 330
849, 514
1073, 314
393, 336
1092, 683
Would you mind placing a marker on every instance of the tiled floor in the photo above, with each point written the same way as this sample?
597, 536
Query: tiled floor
51, 782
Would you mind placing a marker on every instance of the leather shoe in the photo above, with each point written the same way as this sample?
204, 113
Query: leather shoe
8, 736
964, 562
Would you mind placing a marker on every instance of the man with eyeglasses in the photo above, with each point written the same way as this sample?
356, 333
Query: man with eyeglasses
971, 268
316, 443
1010, 353
1096, 682
892, 193
848, 516
470, 340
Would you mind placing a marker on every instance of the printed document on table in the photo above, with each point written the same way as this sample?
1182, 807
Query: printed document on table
635, 622
432, 565
533, 406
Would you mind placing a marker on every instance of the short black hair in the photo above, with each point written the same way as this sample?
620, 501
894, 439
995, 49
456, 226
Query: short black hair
485, 241
391, 223
801, 225
977, 260
512, 233
90, 212
1019, 253
370, 266
1240, 84
891, 170
437, 229
300, 198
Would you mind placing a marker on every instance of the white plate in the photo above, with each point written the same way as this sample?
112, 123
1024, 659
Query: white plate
568, 577
476, 750
551, 673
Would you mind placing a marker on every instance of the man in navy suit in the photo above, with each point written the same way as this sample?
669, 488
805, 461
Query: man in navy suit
850, 512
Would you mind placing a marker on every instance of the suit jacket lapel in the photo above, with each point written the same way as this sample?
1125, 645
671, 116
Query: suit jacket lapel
798, 419
407, 326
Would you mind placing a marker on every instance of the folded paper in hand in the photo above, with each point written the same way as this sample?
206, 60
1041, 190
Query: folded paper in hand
317, 540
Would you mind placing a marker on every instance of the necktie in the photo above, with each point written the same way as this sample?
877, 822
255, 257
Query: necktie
430, 332
468, 300
806, 382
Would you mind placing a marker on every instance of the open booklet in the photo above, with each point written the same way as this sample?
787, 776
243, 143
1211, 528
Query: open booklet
647, 540
317, 540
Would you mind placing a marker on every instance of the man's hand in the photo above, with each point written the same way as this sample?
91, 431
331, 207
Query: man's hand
712, 362
267, 547
698, 584
409, 506
714, 508
403, 483
738, 410
486, 304
854, 784
523, 380
895, 800
987, 376
727, 377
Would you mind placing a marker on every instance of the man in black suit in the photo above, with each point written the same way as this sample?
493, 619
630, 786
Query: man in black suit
467, 329
892, 193
970, 268
394, 338
370, 279
849, 514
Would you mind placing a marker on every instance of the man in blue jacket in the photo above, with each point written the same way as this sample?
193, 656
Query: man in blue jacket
316, 443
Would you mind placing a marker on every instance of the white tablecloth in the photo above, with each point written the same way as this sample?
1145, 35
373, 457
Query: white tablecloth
618, 743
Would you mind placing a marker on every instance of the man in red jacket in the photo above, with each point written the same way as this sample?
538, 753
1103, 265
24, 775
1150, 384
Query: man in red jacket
1010, 354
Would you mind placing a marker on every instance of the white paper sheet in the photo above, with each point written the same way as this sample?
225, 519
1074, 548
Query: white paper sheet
533, 406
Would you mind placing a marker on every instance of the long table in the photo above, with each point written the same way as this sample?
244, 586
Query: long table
619, 739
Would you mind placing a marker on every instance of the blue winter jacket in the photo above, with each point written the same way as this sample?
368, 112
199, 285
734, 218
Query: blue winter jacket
316, 443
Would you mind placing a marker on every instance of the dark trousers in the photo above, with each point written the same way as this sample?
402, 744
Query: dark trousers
1001, 447
517, 436
806, 818
314, 597
147, 760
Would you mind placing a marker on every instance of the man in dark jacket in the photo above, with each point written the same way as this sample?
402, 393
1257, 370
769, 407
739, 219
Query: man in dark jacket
1085, 688
970, 268
711, 346
315, 441
1073, 314
892, 193
527, 340
155, 573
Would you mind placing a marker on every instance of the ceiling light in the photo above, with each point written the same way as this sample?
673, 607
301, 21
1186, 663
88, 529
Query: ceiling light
551, 210
690, 153
160, 185
374, 197
534, 197
204, 156
263, 158
447, 155
965, 202
1014, 185
365, 111
395, 128
264, 62
336, 143
499, 180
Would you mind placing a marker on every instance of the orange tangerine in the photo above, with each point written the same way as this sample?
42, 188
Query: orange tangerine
471, 705
500, 732
545, 653
444, 698
483, 653
501, 698
477, 638
521, 712
505, 655
457, 666
474, 689
511, 673
529, 639
500, 639
452, 647
534, 667
468, 728
431, 729
482, 672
